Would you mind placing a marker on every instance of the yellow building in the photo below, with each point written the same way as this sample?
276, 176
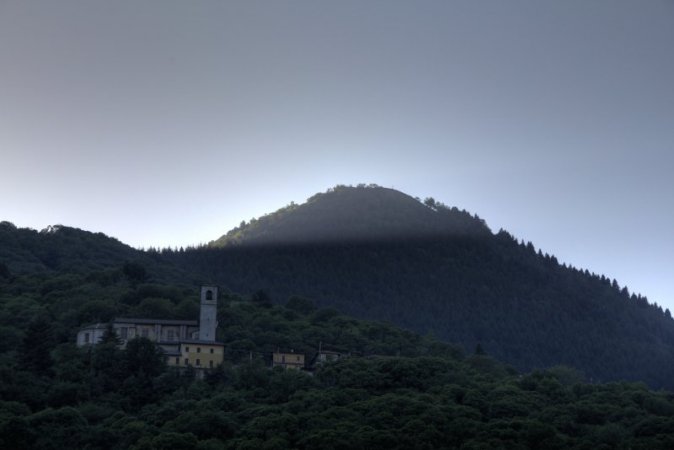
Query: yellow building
196, 353
288, 360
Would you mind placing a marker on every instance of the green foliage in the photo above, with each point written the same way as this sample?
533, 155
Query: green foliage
391, 388
301, 305
36, 345
261, 298
378, 254
134, 272
143, 358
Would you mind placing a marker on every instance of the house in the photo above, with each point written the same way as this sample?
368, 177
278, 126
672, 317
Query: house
288, 360
196, 353
324, 356
91, 334
185, 342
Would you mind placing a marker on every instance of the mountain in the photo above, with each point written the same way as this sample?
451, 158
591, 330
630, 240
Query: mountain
345, 214
376, 253
372, 253
391, 389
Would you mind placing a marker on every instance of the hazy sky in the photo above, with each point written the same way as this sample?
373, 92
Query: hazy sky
168, 122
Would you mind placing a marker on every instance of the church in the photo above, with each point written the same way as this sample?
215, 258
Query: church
186, 343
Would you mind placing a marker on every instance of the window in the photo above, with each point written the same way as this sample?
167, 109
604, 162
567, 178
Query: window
187, 362
211, 350
124, 333
209, 295
187, 349
210, 364
198, 349
298, 359
198, 362
177, 360
283, 358
86, 338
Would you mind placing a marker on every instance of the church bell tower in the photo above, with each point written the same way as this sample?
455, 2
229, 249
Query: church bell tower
208, 314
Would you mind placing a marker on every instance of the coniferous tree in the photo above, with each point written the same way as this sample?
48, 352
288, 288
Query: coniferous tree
36, 346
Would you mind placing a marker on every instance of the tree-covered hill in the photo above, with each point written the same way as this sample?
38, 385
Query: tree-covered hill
379, 254
61, 249
396, 389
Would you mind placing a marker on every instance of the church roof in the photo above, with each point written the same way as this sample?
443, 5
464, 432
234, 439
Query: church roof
156, 321
200, 341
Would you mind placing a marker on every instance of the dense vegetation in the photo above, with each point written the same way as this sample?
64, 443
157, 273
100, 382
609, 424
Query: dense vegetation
452, 281
376, 253
397, 389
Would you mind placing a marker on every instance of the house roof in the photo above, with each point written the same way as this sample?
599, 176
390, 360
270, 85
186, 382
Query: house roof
200, 341
330, 352
96, 326
156, 321
288, 352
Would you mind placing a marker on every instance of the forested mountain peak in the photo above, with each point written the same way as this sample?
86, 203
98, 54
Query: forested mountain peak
354, 214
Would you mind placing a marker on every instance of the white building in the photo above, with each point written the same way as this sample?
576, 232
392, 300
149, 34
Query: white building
168, 334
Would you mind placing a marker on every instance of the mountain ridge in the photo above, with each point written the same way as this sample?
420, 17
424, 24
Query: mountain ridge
459, 282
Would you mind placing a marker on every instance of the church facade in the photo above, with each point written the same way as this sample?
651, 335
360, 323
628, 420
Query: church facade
185, 342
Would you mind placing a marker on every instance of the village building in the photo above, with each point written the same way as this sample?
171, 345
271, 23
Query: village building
197, 353
185, 342
324, 356
288, 359
156, 330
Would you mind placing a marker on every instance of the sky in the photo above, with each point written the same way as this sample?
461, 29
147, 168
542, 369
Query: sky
166, 123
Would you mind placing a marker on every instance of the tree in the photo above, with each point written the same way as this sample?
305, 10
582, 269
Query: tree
110, 336
4, 272
261, 298
144, 358
134, 272
300, 305
36, 346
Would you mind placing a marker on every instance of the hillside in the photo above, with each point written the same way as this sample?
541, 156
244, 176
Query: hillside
379, 254
60, 249
395, 390
359, 250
